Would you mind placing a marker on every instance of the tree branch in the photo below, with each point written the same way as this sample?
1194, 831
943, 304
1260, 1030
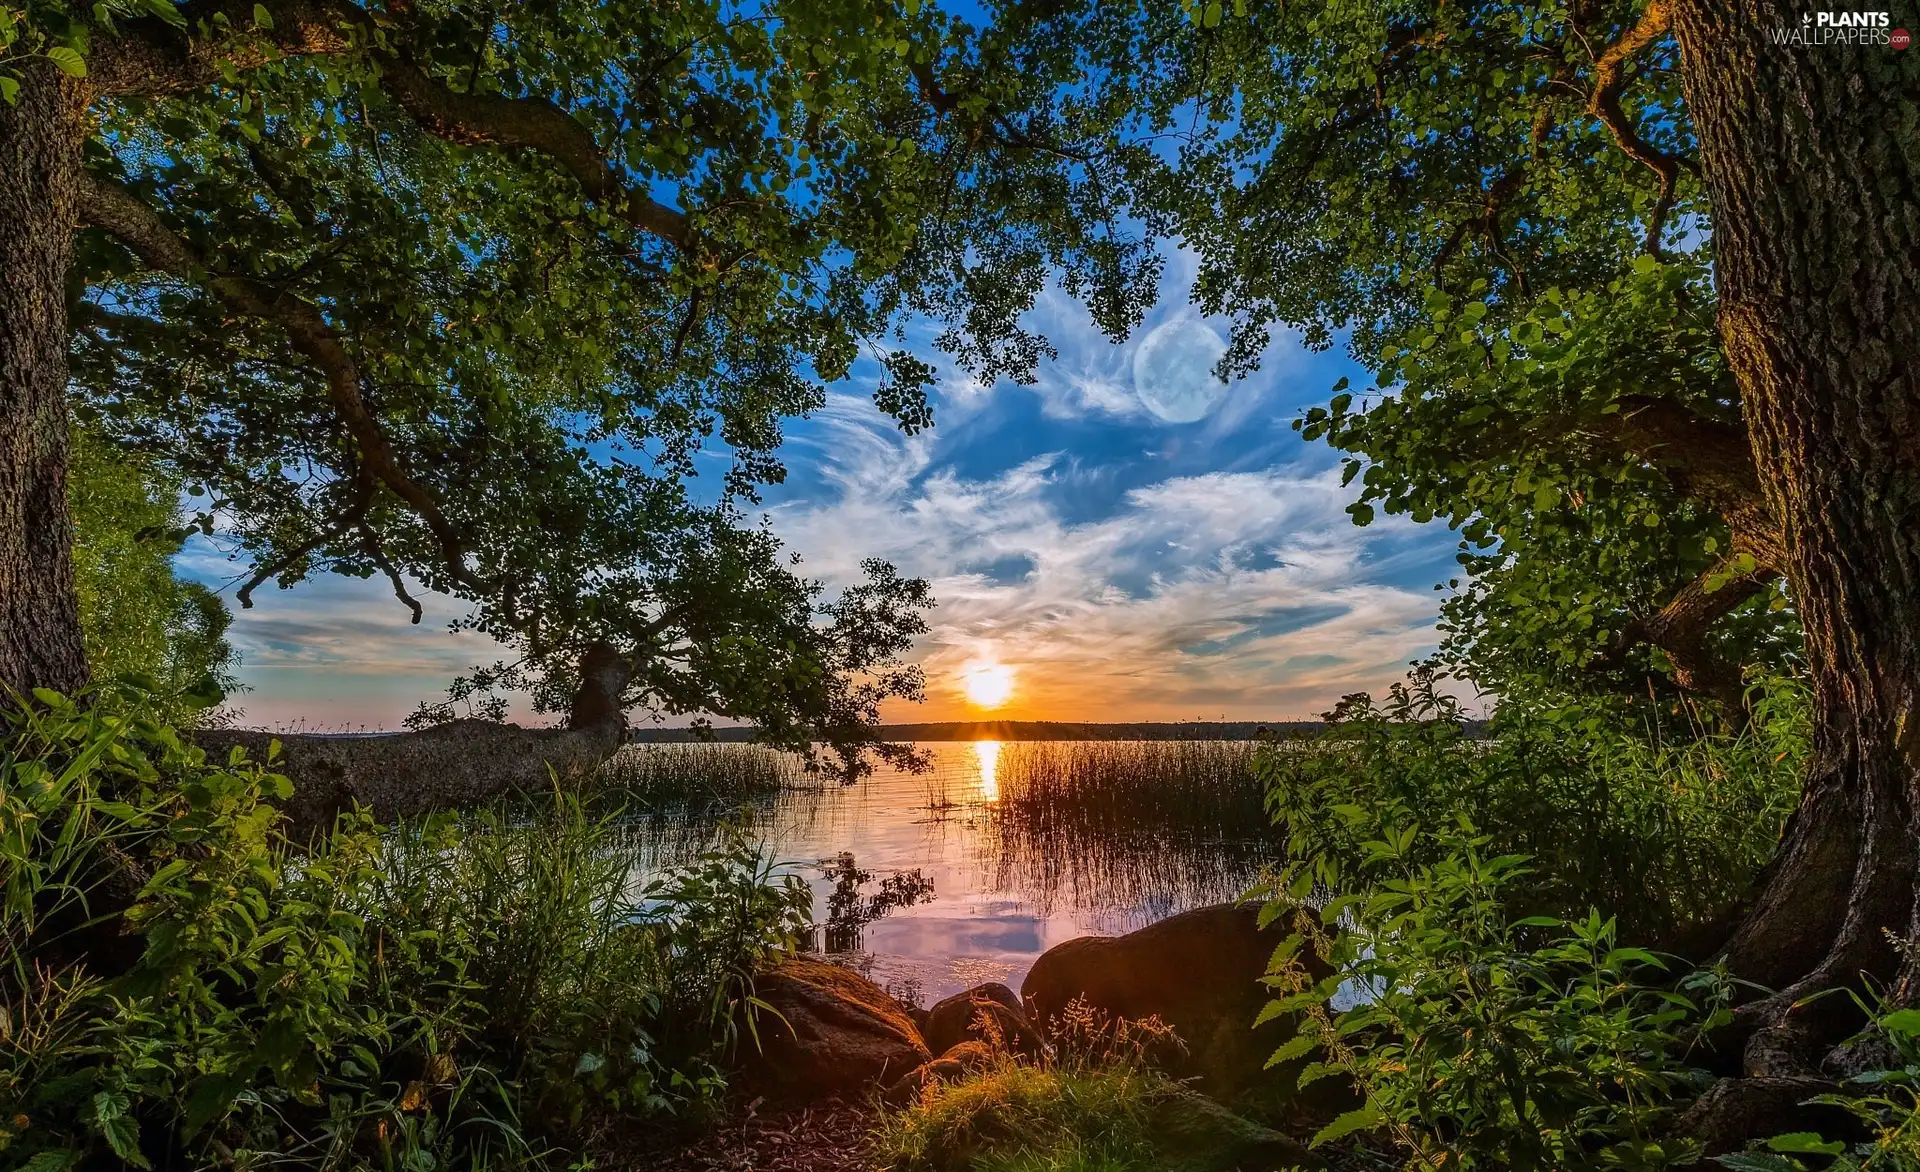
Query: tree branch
533, 124
1681, 627
147, 58
370, 543
281, 564
1708, 461
1496, 194
154, 62
111, 207
1609, 79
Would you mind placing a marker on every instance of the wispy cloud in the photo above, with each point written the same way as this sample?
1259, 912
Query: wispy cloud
1245, 593
1129, 560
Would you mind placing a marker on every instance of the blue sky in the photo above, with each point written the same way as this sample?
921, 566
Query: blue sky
1129, 539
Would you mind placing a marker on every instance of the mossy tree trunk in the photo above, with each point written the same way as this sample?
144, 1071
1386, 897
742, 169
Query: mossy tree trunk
40, 138
1812, 158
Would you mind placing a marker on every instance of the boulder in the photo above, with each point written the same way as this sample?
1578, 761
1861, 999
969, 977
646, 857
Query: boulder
1199, 972
837, 1035
959, 1018
952, 1066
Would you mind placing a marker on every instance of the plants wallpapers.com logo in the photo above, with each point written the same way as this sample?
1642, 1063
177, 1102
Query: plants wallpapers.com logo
1845, 29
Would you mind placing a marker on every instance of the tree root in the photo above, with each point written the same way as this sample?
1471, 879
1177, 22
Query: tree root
1737, 1110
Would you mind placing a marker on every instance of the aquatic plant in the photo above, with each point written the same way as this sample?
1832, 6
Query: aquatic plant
713, 776
1141, 823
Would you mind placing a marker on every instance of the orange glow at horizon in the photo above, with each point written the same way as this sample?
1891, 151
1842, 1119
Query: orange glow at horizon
987, 685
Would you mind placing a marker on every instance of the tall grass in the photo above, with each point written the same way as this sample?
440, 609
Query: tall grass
483, 990
700, 775
1131, 823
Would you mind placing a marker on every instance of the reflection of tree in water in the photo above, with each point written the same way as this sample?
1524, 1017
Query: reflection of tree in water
850, 909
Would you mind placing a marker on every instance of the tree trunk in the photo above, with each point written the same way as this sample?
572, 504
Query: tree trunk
452, 766
40, 137
1812, 158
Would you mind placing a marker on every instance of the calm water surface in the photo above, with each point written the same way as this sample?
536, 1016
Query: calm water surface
919, 881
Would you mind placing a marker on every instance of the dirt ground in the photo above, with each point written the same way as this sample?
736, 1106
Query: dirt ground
832, 1137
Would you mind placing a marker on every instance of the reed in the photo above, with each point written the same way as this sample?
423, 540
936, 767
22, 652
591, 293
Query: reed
1131, 823
701, 775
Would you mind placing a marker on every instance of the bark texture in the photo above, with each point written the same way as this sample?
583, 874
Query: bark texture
40, 137
1812, 159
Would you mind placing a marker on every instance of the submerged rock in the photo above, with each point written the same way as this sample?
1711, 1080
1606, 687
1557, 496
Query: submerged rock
837, 1035
958, 1019
1198, 972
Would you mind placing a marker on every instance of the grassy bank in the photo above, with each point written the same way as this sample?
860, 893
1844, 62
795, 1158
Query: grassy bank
1094, 1102
481, 990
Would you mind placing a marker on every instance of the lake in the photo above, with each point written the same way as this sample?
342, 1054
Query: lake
933, 882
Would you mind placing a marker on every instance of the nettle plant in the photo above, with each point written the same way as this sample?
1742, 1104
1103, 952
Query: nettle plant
1475, 1038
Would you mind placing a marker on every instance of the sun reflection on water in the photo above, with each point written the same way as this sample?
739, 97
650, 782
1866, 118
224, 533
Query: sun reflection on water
987, 753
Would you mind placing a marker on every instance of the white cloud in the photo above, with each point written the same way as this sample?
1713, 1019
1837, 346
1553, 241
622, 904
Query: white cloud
1247, 592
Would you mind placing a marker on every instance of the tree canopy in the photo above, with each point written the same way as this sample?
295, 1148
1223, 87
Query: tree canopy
1497, 208
142, 622
512, 300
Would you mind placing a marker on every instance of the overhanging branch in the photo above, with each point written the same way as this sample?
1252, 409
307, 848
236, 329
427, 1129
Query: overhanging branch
532, 124
111, 207
146, 61
1609, 79
1707, 461
1681, 629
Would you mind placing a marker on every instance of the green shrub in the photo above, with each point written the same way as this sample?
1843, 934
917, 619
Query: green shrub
1478, 1040
1658, 831
474, 990
1487, 1013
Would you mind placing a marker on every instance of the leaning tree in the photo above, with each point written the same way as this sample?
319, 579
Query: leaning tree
1641, 286
509, 301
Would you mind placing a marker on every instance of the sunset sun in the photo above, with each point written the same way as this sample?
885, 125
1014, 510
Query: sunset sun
987, 685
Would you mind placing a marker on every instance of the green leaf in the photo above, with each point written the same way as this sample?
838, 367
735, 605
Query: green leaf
9, 91
118, 1128
165, 10
1806, 1141
69, 61
1358, 1119
1905, 1022
262, 17
1297, 1047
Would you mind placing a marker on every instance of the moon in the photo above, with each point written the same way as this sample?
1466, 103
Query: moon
1173, 371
